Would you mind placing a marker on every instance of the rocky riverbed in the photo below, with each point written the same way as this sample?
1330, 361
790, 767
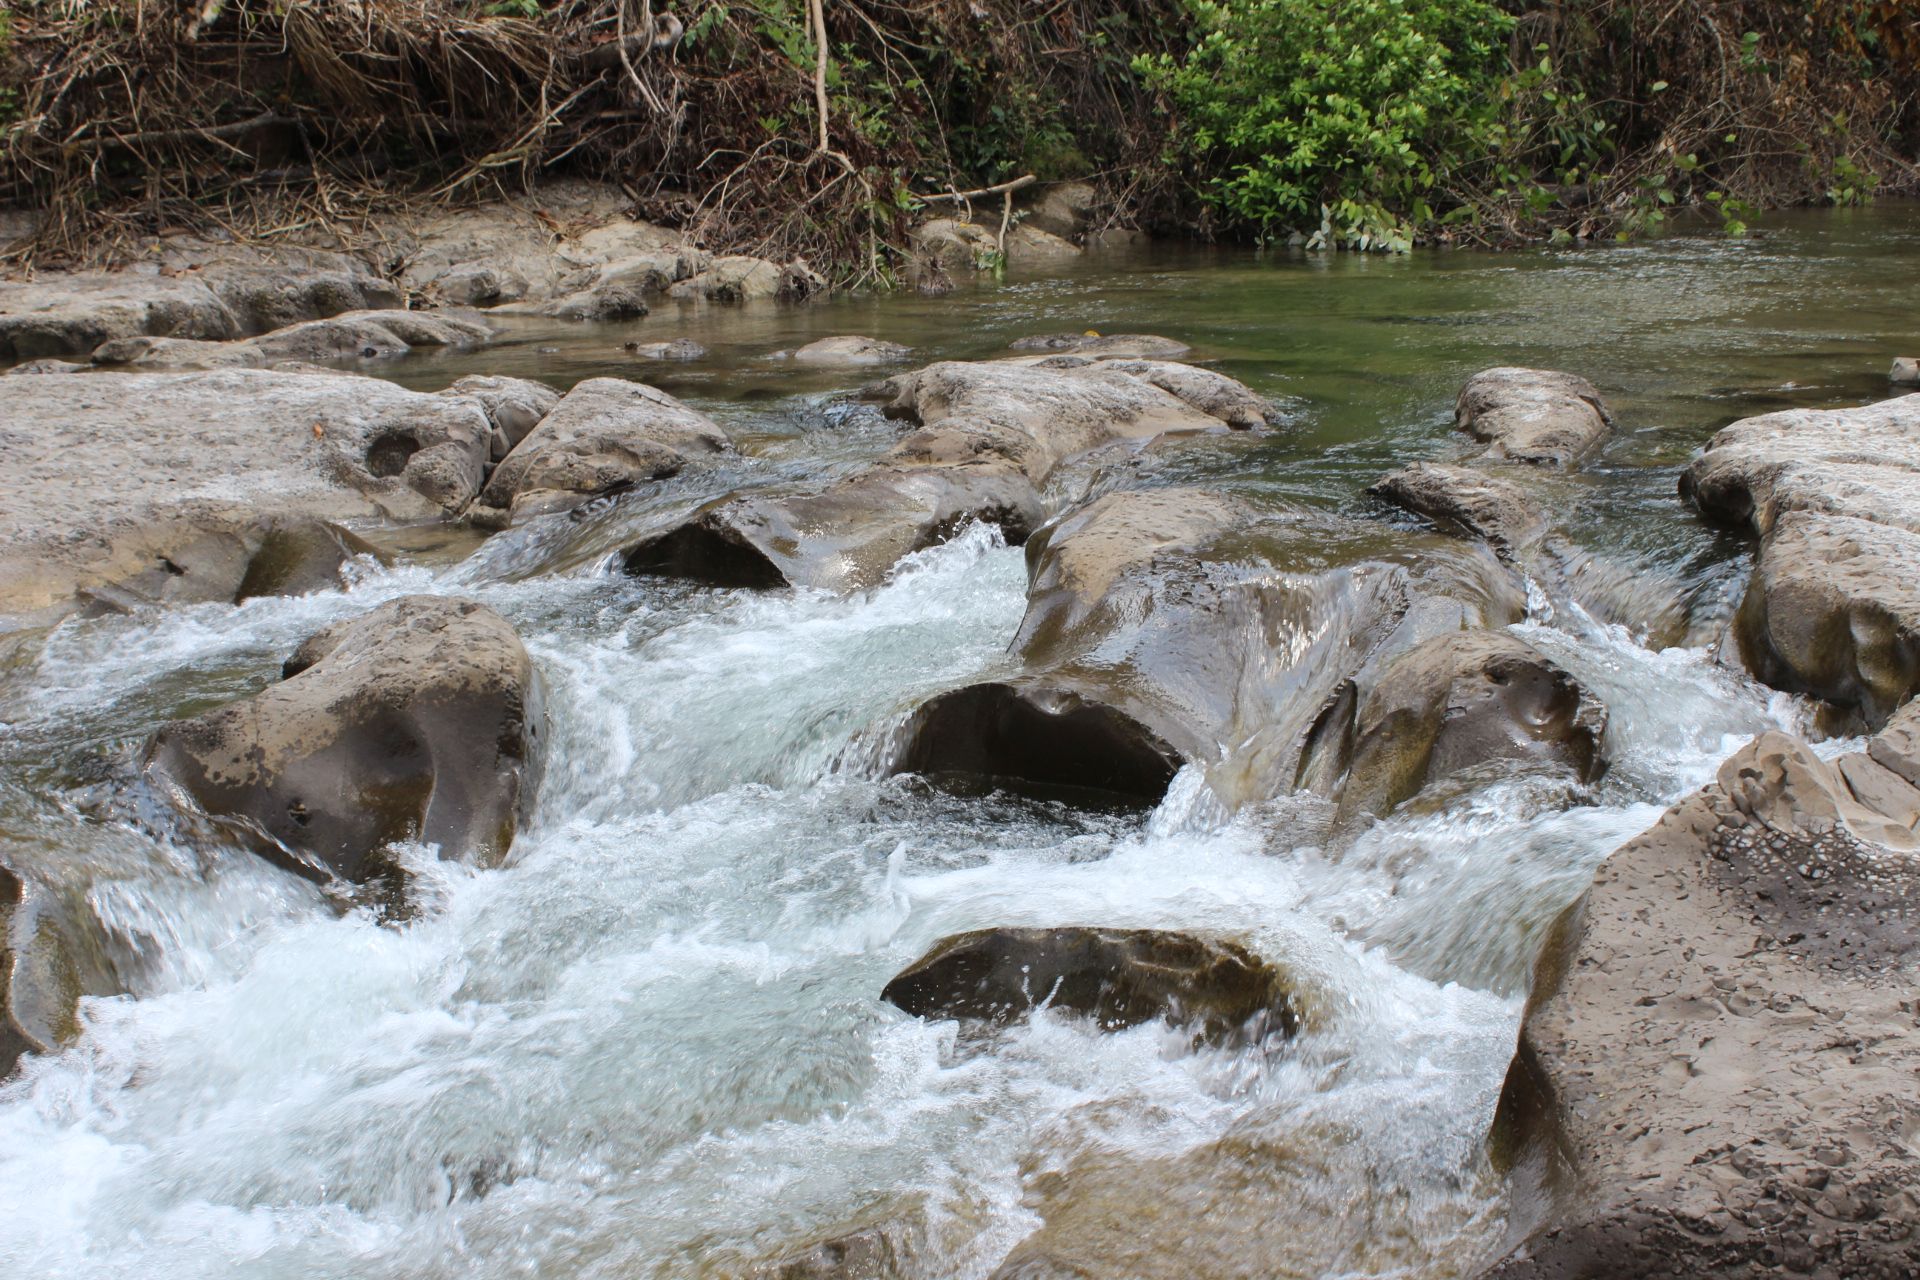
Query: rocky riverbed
997, 830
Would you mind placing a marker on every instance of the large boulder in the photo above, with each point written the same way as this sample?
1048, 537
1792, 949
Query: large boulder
989, 437
201, 461
216, 293
606, 434
1118, 978
1178, 626
743, 279
1832, 608
1715, 1075
1449, 704
1061, 208
1533, 415
1849, 462
420, 720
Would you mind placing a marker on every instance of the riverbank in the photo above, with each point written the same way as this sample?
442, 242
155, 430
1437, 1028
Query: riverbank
783, 129
717, 872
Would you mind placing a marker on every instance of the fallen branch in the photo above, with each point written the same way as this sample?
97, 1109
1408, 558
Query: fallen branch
161, 137
1003, 188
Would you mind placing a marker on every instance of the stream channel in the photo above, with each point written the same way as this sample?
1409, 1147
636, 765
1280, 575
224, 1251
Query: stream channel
652, 1044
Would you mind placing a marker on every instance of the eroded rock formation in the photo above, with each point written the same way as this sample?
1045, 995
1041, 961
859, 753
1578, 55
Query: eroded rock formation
989, 436
1833, 608
202, 463
420, 720
1715, 1075
1176, 625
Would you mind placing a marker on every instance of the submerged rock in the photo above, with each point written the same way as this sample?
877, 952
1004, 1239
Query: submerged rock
1832, 608
1446, 705
419, 720
1716, 1067
1119, 346
605, 435
990, 436
678, 349
1533, 415
1117, 977
1476, 502
848, 350
1176, 626
202, 462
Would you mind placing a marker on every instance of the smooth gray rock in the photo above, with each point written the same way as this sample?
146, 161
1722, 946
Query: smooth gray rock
604, 435
990, 435
1832, 608
1533, 415
515, 406
420, 720
200, 462
217, 294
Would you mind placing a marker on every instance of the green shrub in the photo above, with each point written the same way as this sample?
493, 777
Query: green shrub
1341, 115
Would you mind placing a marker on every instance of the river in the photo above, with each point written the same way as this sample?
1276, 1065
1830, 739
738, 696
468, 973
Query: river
652, 1046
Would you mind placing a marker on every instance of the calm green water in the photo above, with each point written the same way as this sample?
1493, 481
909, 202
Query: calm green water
1682, 336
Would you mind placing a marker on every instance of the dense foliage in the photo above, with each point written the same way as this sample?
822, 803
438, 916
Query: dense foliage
1360, 123
1346, 114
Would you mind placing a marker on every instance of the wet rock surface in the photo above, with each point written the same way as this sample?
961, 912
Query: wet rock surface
605, 435
989, 437
1476, 502
1119, 346
1715, 1075
1154, 627
38, 985
1118, 978
1832, 608
202, 461
848, 350
420, 720
1533, 415
1449, 704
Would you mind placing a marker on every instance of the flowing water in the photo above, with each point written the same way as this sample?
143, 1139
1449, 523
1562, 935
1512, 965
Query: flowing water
651, 1045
